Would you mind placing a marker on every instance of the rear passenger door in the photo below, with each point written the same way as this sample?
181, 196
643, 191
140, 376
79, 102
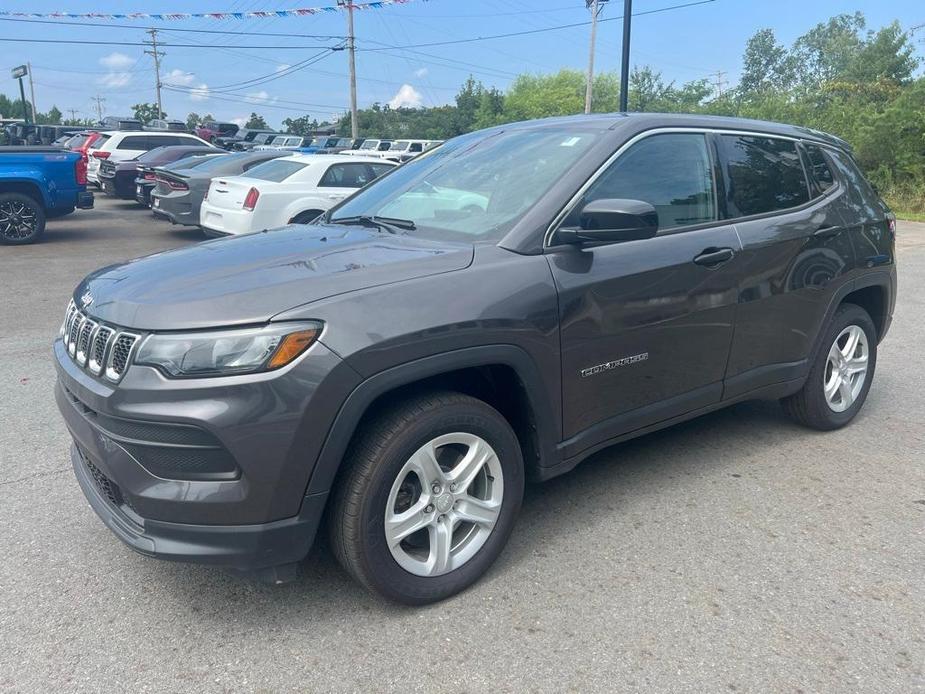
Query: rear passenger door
646, 325
795, 250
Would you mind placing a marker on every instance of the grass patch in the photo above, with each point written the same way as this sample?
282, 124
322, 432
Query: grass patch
907, 200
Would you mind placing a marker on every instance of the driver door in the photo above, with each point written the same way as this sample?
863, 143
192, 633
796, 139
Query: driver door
646, 325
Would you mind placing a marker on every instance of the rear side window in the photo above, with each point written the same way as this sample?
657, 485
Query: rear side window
379, 169
820, 175
135, 142
672, 172
275, 170
762, 174
346, 176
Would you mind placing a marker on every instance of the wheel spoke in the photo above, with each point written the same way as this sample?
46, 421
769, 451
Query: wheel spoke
854, 335
398, 527
441, 544
844, 390
832, 386
425, 465
478, 511
857, 365
473, 461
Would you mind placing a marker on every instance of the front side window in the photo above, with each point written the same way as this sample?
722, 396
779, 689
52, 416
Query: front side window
476, 186
672, 172
762, 174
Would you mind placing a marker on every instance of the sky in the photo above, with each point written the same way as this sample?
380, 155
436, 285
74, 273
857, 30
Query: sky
296, 74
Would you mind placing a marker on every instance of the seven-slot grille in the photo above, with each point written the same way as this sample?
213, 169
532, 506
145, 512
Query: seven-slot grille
101, 349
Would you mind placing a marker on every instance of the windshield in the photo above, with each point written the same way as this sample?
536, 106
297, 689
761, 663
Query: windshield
218, 161
370, 144
275, 170
476, 186
400, 146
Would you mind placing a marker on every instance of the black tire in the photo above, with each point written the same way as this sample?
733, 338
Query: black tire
22, 219
306, 217
809, 406
372, 464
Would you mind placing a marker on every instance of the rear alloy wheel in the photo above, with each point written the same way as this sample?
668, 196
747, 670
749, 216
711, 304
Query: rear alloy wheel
841, 373
22, 219
429, 499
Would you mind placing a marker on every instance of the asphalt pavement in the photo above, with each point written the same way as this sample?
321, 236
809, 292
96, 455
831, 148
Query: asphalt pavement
734, 553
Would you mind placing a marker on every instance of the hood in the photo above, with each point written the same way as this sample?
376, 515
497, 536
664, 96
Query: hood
250, 278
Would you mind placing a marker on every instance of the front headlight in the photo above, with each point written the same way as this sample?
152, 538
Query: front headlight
227, 352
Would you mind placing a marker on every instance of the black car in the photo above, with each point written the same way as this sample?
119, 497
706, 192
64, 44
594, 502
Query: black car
118, 177
242, 136
495, 311
145, 180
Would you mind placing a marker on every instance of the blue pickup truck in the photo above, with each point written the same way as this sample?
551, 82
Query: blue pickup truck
39, 183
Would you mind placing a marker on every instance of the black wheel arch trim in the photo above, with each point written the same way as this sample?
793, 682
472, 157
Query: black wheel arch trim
351, 412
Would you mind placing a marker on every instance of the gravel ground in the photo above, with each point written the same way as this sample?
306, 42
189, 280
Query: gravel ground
737, 552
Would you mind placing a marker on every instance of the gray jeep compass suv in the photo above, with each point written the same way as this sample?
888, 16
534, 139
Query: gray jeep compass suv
495, 310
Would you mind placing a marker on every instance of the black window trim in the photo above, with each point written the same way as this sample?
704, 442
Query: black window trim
836, 174
710, 134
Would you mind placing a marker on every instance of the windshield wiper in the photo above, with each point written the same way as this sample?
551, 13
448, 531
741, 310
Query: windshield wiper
389, 224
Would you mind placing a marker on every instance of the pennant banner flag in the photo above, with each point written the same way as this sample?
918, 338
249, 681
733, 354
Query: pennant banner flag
167, 16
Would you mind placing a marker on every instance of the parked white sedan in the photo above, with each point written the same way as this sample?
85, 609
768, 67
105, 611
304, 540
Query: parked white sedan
293, 189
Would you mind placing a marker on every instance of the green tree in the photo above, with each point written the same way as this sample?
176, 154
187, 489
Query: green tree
192, 120
256, 121
147, 112
766, 65
301, 125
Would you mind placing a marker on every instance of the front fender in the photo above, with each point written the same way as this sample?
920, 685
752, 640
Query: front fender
359, 400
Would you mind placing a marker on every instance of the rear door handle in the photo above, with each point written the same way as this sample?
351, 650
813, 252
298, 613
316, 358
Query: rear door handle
714, 256
825, 232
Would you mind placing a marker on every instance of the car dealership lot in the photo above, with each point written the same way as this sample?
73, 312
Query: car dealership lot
736, 552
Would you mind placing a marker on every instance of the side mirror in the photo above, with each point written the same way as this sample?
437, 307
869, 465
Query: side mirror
611, 220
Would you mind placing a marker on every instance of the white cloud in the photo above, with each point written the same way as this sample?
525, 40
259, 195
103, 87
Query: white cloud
118, 65
179, 78
421, 72
200, 93
114, 80
240, 121
260, 97
407, 96
283, 66
117, 62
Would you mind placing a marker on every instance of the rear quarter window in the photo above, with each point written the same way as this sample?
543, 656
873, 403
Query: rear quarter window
136, 142
818, 168
761, 174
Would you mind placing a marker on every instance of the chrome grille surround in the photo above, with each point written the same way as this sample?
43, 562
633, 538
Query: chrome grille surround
102, 350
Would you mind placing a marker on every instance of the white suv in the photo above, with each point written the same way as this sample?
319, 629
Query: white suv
122, 145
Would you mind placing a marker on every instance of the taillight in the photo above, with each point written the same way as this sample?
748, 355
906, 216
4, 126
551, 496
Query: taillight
149, 175
175, 185
100, 154
250, 202
80, 171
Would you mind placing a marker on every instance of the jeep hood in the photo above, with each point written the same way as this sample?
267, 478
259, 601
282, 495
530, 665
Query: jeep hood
250, 278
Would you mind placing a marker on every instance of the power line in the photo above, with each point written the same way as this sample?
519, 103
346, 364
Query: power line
263, 79
539, 31
193, 31
250, 100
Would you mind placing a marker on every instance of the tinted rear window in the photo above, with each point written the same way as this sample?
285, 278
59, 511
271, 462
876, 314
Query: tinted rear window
762, 174
275, 170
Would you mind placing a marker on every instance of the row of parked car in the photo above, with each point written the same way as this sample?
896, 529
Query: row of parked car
191, 182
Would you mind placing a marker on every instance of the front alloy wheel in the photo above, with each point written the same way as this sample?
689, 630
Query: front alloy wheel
444, 504
431, 489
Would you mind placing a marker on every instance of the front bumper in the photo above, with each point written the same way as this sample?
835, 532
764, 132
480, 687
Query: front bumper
242, 547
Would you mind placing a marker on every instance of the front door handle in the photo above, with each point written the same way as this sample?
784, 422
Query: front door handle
825, 232
714, 256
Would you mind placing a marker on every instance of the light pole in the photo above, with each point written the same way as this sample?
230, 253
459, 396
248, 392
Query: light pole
625, 63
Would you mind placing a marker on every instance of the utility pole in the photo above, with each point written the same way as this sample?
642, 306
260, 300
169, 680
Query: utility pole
595, 7
351, 53
73, 112
625, 62
99, 106
32, 92
720, 81
157, 69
